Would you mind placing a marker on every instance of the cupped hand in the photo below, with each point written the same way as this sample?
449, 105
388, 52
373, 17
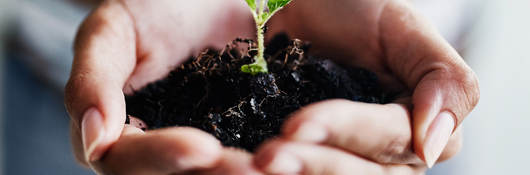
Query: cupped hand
345, 137
389, 38
123, 45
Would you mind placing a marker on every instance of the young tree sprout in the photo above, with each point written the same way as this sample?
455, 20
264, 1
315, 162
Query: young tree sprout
261, 16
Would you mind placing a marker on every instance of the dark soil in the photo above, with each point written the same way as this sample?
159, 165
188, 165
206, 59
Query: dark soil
211, 93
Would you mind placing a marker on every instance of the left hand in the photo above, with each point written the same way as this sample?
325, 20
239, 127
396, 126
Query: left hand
389, 38
128, 43
344, 137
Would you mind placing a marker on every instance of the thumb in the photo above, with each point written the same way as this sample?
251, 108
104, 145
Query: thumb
441, 100
104, 59
444, 88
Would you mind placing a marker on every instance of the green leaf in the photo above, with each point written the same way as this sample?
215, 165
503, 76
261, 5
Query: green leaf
251, 4
254, 68
275, 5
265, 16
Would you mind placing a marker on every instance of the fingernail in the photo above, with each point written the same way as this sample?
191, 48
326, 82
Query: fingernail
438, 135
284, 163
310, 132
92, 132
137, 122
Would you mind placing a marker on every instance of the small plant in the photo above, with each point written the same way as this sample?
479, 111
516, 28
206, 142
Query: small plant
246, 109
261, 17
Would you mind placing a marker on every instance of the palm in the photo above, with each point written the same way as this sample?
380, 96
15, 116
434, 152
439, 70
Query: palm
388, 38
127, 44
134, 42
168, 32
349, 31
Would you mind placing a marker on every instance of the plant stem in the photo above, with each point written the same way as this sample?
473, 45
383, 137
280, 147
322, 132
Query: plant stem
261, 47
261, 7
259, 65
260, 60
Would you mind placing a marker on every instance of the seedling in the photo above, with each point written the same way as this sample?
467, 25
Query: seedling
261, 16
244, 111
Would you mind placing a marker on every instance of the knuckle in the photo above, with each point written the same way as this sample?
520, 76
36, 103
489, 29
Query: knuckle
69, 97
467, 87
395, 148
470, 85
463, 83
71, 91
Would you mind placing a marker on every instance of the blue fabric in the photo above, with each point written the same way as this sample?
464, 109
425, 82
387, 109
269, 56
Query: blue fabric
36, 131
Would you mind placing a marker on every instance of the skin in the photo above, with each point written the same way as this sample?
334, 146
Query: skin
123, 45
408, 54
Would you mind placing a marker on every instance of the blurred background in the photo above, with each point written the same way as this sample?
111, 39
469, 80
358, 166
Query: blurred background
35, 57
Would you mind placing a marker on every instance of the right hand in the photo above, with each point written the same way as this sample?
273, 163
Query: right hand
388, 37
124, 45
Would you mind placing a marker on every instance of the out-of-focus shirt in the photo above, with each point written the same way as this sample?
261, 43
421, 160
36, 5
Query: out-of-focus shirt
43, 32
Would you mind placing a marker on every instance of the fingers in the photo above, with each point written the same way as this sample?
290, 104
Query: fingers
397, 42
378, 132
169, 32
445, 88
164, 151
453, 147
104, 59
233, 161
280, 157
173, 151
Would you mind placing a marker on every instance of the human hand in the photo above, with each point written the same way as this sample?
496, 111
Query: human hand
126, 44
389, 38
344, 137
